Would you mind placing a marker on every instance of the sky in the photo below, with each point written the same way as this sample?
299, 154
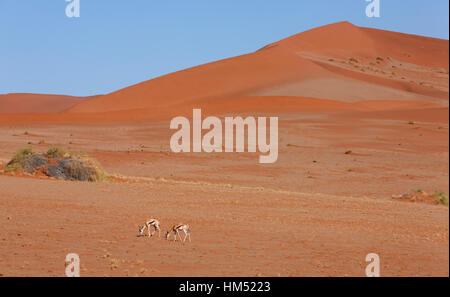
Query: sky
115, 44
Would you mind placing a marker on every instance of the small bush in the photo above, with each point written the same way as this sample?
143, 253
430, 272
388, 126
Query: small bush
19, 159
81, 168
443, 198
55, 152
98, 173
353, 60
68, 166
380, 59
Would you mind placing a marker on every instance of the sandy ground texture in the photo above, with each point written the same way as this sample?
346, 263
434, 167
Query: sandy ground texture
316, 212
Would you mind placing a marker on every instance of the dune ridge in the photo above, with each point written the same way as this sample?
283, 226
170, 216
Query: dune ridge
338, 63
267, 72
38, 103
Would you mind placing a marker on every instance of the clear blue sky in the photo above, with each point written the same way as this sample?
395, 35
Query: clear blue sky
117, 43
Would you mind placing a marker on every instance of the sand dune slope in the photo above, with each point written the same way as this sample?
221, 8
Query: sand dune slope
36, 103
339, 62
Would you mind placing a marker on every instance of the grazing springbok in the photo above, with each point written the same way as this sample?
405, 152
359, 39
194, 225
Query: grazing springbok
150, 223
176, 229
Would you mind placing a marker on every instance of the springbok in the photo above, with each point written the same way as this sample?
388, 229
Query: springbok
176, 229
150, 223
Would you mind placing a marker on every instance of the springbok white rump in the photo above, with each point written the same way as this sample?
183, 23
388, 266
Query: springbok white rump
176, 232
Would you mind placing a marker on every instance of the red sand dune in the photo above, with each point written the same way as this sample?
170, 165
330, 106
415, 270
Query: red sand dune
286, 68
313, 64
37, 103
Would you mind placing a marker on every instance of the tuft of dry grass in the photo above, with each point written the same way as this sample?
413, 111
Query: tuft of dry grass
55, 152
114, 264
442, 197
97, 172
19, 159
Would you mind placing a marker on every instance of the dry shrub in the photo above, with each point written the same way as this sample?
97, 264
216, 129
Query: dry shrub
79, 167
19, 159
55, 152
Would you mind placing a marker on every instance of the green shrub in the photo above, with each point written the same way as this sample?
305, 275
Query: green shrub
19, 159
443, 198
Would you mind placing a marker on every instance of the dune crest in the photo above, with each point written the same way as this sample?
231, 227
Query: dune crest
339, 62
336, 63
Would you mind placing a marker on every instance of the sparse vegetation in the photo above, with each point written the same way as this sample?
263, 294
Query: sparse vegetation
55, 152
56, 162
97, 173
419, 195
115, 263
442, 197
348, 152
380, 59
19, 159
353, 60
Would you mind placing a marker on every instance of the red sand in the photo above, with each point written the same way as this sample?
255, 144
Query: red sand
36, 103
316, 211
